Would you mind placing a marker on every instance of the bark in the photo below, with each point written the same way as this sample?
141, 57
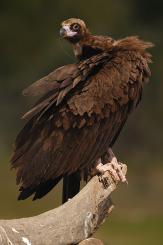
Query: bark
72, 223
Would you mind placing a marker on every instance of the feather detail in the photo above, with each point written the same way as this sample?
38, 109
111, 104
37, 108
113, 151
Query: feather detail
82, 111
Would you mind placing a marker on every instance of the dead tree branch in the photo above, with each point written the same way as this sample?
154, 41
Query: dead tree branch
70, 223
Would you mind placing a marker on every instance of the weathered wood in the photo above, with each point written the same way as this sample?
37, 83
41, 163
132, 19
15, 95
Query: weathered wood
91, 241
70, 223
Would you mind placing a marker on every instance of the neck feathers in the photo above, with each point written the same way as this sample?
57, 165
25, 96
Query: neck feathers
91, 45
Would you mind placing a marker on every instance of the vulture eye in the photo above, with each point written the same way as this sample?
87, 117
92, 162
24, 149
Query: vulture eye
75, 27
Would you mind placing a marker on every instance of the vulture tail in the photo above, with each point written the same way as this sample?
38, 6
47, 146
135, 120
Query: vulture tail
39, 191
71, 186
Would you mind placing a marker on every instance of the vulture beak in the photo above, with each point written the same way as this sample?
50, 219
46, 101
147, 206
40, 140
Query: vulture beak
65, 31
62, 32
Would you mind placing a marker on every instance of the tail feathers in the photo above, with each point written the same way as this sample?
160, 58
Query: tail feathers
71, 186
25, 193
39, 191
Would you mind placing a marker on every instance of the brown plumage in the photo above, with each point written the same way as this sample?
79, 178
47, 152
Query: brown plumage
82, 109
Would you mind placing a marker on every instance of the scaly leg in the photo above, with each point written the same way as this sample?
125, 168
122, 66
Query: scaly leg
113, 167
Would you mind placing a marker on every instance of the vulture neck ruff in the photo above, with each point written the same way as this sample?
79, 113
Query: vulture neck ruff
91, 45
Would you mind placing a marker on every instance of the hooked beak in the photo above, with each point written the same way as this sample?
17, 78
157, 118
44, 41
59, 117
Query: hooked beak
62, 32
65, 31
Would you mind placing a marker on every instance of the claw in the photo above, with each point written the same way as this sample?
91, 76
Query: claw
113, 167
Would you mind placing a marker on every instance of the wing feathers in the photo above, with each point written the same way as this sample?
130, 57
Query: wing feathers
82, 112
50, 82
55, 90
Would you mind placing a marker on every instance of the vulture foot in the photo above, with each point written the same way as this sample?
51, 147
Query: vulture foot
113, 167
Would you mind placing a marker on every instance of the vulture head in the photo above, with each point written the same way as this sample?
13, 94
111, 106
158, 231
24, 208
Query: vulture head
73, 30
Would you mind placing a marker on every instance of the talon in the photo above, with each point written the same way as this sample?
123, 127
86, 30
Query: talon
113, 167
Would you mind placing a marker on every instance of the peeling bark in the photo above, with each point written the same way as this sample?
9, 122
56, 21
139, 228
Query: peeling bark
71, 223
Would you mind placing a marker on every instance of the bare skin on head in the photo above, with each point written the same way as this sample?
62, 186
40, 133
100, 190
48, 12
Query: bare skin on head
84, 43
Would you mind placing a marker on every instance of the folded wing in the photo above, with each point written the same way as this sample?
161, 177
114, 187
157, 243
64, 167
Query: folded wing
82, 111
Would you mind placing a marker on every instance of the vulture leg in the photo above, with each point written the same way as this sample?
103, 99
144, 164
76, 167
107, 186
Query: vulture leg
113, 166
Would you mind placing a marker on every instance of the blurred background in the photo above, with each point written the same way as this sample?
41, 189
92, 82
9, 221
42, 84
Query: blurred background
30, 47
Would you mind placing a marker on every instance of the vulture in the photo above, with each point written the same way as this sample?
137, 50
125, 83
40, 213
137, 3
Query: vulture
81, 110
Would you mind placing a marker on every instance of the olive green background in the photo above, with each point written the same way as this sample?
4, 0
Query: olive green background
30, 47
